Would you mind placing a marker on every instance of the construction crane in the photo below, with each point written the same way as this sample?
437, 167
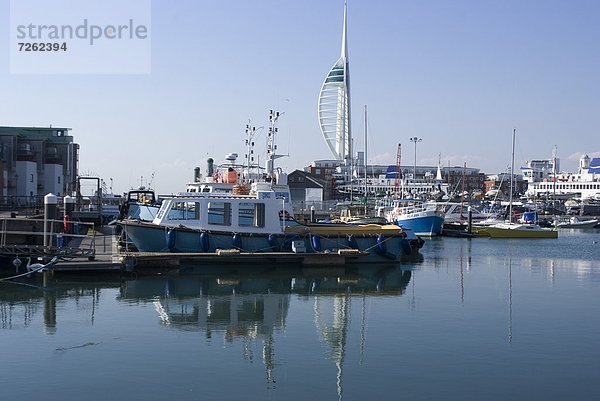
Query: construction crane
398, 172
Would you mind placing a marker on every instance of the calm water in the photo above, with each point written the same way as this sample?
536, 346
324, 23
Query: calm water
475, 320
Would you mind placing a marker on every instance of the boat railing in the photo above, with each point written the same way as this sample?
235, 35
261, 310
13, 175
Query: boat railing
39, 237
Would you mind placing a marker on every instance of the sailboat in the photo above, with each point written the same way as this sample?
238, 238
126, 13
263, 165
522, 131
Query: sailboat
510, 229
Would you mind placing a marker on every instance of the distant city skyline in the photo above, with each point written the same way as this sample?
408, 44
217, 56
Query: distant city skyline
459, 75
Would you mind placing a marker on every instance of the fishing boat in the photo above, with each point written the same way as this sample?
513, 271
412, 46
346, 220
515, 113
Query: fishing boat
511, 229
414, 214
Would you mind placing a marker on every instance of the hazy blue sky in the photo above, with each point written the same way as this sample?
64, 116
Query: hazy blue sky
459, 74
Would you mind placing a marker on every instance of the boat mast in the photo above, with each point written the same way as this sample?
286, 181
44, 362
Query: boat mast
365, 161
554, 176
512, 170
271, 146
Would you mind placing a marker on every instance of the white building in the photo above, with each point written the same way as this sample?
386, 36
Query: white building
585, 184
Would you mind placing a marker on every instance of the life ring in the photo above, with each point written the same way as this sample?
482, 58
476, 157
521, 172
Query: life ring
66, 223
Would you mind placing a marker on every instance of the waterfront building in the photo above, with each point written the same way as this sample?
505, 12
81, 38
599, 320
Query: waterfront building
540, 169
35, 161
501, 182
307, 187
381, 179
583, 185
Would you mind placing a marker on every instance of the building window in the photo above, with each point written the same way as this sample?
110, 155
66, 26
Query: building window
59, 179
31, 178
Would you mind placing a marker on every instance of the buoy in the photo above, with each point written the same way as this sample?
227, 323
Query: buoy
204, 241
352, 242
171, 239
315, 241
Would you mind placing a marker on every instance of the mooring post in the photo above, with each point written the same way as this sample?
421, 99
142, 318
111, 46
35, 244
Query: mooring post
312, 214
69, 207
50, 206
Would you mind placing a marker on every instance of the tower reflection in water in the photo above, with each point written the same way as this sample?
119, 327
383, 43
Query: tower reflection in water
253, 307
241, 304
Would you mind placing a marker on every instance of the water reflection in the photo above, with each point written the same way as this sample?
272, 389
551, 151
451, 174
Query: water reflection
236, 305
231, 304
21, 301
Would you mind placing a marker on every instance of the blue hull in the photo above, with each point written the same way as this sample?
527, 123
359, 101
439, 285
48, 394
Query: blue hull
423, 225
152, 238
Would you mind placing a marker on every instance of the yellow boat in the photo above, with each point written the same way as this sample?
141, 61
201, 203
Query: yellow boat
514, 230
345, 229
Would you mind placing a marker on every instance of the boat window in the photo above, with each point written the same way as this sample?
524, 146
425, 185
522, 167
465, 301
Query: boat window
184, 211
219, 213
252, 214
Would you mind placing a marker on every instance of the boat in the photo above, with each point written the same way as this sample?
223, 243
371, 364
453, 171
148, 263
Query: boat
458, 213
583, 185
140, 204
414, 214
216, 218
575, 222
517, 230
259, 222
510, 229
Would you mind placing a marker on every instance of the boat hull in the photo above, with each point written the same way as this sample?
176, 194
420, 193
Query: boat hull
374, 247
580, 224
427, 224
519, 232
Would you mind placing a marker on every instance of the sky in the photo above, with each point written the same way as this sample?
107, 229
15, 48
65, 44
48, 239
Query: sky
459, 74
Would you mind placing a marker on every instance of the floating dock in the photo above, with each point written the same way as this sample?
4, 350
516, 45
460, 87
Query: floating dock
133, 260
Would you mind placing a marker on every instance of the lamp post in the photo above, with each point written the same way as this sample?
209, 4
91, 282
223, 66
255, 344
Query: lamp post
415, 139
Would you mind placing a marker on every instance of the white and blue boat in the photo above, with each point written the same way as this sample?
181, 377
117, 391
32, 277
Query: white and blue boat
422, 218
260, 222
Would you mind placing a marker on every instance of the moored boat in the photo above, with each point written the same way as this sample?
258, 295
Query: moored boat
575, 222
510, 229
259, 222
416, 215
517, 230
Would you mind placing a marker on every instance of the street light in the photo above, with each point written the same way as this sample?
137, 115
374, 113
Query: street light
414, 139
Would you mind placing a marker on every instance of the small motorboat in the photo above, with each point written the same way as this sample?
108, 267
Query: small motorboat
575, 222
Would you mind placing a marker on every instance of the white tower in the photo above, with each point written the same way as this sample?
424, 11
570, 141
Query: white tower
334, 105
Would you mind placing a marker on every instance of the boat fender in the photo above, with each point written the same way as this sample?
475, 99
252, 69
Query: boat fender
406, 246
381, 245
315, 241
237, 241
352, 242
204, 241
273, 243
171, 239
420, 242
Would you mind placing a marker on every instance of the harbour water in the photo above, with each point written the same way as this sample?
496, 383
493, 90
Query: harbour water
476, 319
